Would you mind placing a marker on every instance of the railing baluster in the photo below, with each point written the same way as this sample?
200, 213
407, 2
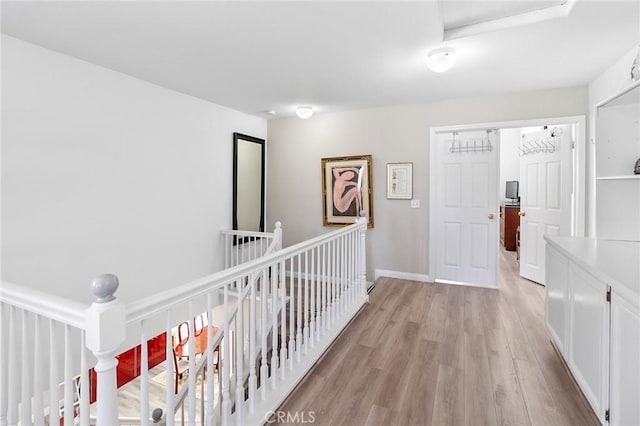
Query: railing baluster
54, 402
339, 277
240, 355
191, 378
299, 309
352, 251
84, 381
325, 288
253, 381
312, 305
68, 377
226, 361
274, 325
225, 253
343, 280
264, 291
12, 393
319, 293
292, 324
283, 318
210, 417
144, 376
169, 413
363, 260
334, 275
26, 369
38, 362
305, 325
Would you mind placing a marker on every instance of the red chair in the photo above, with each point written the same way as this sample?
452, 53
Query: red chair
198, 325
183, 332
180, 369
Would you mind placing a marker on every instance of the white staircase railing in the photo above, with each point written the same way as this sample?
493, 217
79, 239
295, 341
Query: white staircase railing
244, 246
44, 359
276, 315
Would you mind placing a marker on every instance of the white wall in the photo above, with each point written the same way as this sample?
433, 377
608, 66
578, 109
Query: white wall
399, 241
610, 82
102, 172
509, 158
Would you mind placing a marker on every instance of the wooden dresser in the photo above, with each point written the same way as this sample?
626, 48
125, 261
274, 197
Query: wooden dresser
509, 221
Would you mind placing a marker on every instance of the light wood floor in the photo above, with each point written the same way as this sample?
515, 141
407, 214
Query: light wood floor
437, 354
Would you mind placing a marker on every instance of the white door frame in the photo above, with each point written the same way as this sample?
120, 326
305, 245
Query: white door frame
579, 182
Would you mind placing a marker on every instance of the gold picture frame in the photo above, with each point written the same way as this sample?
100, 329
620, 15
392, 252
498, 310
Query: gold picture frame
347, 189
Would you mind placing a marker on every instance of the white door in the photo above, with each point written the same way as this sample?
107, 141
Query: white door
466, 211
545, 195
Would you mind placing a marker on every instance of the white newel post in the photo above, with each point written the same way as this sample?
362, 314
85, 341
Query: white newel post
363, 253
277, 232
105, 333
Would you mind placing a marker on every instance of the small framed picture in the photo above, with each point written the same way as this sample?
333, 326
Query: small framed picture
346, 190
400, 181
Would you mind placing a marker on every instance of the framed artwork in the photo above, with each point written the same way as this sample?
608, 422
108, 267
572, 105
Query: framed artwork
400, 181
346, 190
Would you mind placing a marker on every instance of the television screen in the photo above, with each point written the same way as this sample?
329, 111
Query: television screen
512, 190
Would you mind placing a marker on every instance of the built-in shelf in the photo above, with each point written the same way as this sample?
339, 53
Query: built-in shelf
617, 146
624, 177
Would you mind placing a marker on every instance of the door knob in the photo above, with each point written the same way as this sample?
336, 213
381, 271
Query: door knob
490, 216
522, 214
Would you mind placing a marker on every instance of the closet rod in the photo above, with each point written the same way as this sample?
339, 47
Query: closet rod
478, 129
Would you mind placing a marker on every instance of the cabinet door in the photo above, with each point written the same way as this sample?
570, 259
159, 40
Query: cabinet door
625, 362
557, 297
589, 337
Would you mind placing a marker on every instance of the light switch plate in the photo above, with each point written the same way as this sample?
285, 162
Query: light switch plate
415, 204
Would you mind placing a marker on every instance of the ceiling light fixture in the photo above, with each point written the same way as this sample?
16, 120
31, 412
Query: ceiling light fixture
442, 59
304, 112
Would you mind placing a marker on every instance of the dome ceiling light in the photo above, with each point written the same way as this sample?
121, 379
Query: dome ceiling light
442, 59
304, 112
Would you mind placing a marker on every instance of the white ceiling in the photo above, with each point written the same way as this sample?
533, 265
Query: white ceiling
260, 56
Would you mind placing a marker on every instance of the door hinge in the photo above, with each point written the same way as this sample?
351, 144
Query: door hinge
573, 145
606, 415
609, 294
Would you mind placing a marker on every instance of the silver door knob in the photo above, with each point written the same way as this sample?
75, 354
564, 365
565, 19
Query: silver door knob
490, 216
521, 214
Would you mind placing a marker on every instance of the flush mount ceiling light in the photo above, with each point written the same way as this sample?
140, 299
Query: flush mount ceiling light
442, 59
304, 112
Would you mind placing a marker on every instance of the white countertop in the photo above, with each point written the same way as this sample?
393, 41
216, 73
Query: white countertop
616, 263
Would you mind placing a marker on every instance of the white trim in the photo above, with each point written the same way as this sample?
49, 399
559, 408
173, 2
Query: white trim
579, 172
521, 19
402, 275
465, 284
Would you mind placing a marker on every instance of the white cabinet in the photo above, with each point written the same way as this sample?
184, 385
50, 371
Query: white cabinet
589, 336
625, 353
557, 297
592, 310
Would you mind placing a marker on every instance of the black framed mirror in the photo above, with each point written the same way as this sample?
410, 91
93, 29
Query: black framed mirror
248, 182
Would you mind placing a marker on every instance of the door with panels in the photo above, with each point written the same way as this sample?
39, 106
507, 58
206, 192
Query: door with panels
545, 195
467, 218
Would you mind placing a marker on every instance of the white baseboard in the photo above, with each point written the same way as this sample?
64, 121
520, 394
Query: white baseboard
402, 275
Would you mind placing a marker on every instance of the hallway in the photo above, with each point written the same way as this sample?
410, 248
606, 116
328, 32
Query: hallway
444, 355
